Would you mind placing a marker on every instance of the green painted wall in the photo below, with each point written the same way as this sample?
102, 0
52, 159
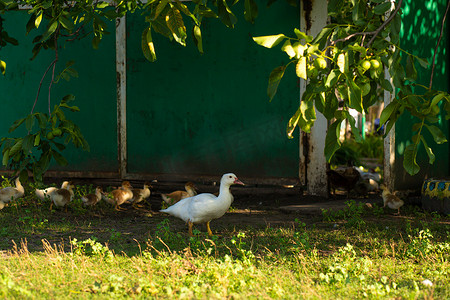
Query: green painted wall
207, 114
420, 32
95, 92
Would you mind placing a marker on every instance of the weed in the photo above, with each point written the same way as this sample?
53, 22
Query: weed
91, 248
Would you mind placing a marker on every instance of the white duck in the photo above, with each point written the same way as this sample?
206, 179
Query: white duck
205, 207
11, 193
44, 193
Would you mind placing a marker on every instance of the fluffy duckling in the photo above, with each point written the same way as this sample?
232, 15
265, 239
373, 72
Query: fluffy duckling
120, 196
61, 197
92, 199
391, 200
44, 193
205, 207
11, 193
176, 196
140, 195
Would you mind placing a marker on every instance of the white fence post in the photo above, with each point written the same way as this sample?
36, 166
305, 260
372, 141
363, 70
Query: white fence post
312, 170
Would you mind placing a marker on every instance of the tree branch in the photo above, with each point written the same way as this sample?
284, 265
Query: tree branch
437, 45
52, 64
375, 32
388, 20
53, 71
40, 84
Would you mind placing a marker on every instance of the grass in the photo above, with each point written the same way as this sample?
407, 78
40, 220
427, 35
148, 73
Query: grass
353, 253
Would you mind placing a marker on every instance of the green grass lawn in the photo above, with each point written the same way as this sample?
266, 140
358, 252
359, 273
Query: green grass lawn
354, 253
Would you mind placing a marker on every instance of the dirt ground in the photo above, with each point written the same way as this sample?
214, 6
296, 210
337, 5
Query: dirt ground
253, 207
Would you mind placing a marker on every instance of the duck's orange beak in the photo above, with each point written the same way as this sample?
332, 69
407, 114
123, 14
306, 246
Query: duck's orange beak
237, 181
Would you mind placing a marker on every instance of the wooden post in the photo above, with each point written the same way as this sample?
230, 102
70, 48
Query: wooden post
312, 170
121, 74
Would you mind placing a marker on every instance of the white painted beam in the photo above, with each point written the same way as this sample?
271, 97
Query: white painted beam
121, 74
313, 166
389, 140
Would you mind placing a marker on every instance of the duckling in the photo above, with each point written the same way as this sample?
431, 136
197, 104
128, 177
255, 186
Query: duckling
92, 199
61, 197
44, 193
391, 200
11, 193
140, 195
176, 196
120, 196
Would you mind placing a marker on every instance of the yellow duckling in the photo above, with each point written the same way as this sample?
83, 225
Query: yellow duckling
140, 195
44, 193
61, 197
92, 199
176, 196
11, 193
391, 200
120, 196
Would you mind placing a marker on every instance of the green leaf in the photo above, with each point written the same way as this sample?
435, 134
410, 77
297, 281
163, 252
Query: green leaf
381, 9
16, 124
331, 104
96, 42
66, 22
287, 47
386, 84
159, 8
342, 62
251, 10
354, 94
28, 143
423, 62
225, 14
431, 156
269, 41
437, 134
356, 132
37, 139
175, 23
2, 67
411, 72
274, 81
51, 28
300, 68
68, 98
409, 160
303, 36
59, 158
332, 142
5, 158
323, 35
29, 122
332, 78
16, 147
388, 111
148, 49
293, 122
197, 33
